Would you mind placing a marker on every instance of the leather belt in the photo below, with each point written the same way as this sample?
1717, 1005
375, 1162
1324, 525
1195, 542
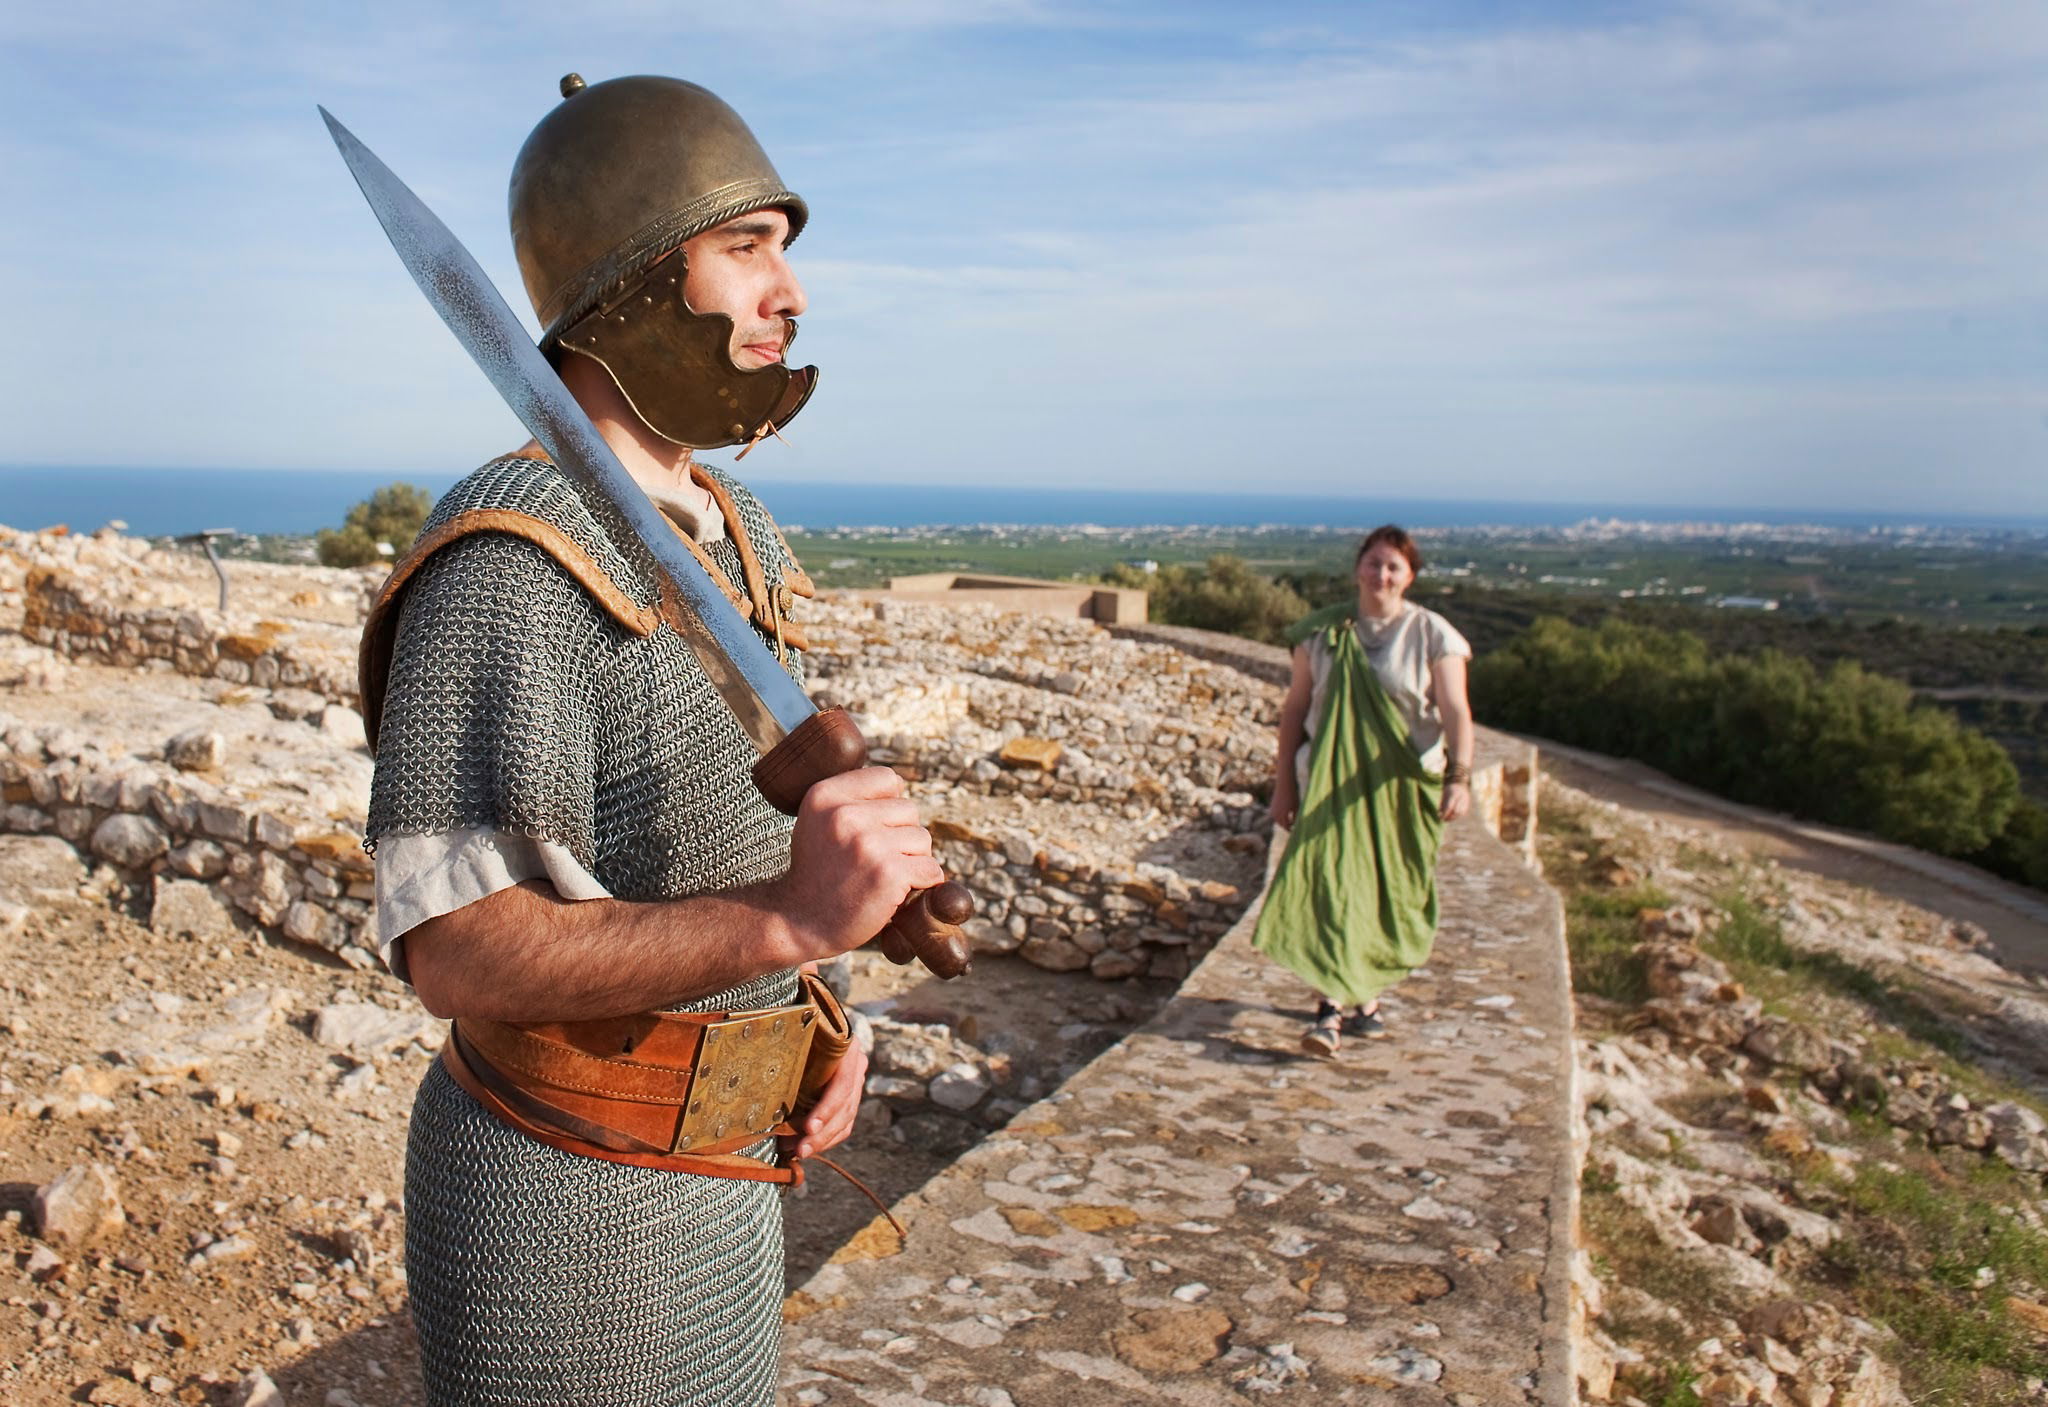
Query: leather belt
683, 1091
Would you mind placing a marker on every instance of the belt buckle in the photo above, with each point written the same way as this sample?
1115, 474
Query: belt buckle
748, 1070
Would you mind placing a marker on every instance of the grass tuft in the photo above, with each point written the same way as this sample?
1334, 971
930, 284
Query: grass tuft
1753, 944
1917, 1240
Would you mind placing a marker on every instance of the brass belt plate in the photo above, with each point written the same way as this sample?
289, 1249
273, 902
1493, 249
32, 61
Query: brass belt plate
749, 1068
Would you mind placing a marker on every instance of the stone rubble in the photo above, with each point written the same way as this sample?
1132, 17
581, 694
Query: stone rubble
1100, 796
1717, 1202
1097, 794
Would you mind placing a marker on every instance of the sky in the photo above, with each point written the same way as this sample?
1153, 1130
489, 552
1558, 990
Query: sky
1767, 253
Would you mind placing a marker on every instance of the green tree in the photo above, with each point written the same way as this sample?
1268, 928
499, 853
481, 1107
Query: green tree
393, 514
1226, 595
1847, 747
2020, 851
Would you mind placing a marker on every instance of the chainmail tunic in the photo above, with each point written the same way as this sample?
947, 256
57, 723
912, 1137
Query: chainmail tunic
539, 1278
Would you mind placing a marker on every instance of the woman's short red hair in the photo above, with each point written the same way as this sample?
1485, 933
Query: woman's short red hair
1395, 538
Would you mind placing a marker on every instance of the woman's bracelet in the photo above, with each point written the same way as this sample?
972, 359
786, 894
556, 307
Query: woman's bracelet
1458, 774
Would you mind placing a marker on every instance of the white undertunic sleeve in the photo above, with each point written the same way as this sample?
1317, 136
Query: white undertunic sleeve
424, 876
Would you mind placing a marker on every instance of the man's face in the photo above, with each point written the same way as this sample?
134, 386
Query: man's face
738, 269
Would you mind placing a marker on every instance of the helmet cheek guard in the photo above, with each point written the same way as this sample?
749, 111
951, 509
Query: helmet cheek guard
674, 365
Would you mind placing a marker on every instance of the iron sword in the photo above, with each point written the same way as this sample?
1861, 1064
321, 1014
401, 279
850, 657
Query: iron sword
800, 743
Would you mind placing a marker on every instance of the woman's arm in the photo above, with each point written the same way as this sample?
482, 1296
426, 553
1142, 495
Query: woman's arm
1447, 689
1293, 724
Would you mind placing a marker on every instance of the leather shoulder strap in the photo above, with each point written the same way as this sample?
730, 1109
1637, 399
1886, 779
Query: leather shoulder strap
380, 630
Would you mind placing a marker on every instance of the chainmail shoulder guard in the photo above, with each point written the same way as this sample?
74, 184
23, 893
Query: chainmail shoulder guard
512, 694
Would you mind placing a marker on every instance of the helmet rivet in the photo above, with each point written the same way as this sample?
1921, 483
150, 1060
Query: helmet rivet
572, 84
739, 429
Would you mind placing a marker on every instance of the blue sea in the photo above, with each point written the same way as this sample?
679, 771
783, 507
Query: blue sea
160, 502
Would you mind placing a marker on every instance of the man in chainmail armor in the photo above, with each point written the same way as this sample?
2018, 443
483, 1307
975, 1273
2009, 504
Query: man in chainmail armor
566, 835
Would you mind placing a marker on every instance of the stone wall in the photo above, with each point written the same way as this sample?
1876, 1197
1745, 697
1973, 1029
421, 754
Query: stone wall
120, 601
1105, 797
1103, 604
277, 855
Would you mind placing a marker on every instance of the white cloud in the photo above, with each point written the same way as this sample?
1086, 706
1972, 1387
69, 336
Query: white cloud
1624, 252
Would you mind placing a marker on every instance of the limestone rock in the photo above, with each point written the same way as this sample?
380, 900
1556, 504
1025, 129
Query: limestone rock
1408, 1365
988, 936
129, 841
200, 858
296, 705
959, 1087
307, 922
1680, 970
364, 1030
181, 908
29, 863
77, 1092
1708, 1022
1032, 754
1397, 1284
1172, 1340
1054, 954
81, 1205
1719, 1219
344, 725
197, 750
245, 1019
1114, 966
1790, 1045
2019, 1136
917, 1052
257, 1390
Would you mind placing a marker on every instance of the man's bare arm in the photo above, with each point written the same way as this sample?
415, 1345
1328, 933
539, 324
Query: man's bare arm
527, 954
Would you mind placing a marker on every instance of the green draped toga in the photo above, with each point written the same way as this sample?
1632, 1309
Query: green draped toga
1352, 908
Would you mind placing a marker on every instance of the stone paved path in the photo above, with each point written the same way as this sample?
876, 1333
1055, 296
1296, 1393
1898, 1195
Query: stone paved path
1202, 1215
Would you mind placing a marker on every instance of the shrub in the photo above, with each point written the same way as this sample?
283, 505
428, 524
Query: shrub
1225, 595
1847, 747
393, 514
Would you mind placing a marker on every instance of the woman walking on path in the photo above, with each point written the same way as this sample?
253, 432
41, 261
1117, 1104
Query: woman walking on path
1375, 755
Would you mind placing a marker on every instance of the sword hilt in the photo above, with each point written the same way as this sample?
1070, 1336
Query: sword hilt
927, 927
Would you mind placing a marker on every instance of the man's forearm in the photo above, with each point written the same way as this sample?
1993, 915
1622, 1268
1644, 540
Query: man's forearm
527, 954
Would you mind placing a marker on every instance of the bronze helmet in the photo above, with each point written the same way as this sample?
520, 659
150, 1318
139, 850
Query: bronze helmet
610, 183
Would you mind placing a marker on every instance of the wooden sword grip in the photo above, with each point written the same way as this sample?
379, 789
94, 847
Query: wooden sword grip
823, 745
927, 927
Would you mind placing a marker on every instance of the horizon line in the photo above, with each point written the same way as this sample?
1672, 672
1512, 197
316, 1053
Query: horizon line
1609, 507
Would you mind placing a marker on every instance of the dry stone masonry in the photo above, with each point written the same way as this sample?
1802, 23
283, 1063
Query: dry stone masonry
1096, 794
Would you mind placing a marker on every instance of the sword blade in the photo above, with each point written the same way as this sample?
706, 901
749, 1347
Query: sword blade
475, 312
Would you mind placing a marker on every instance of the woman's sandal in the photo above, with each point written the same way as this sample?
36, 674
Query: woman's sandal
1321, 1039
1366, 1025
